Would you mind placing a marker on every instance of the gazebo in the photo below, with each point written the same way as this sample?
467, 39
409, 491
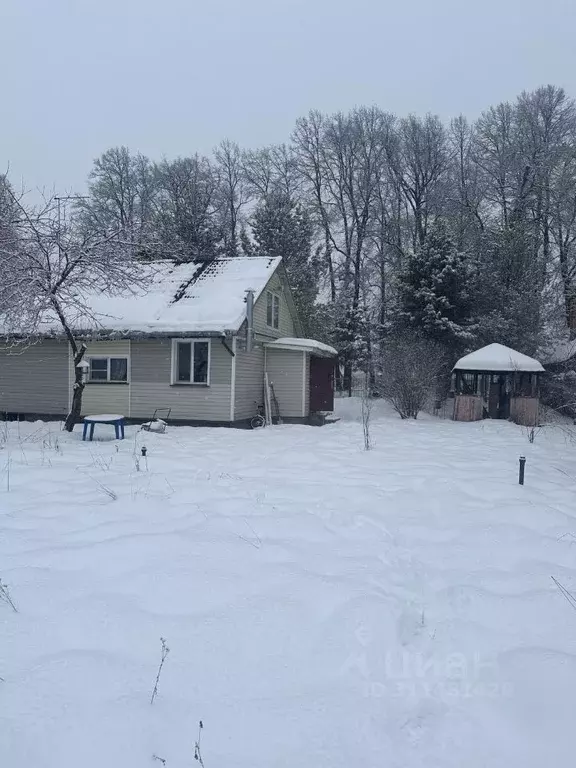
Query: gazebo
497, 382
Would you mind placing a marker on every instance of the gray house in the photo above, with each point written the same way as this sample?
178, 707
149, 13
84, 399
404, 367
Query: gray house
199, 341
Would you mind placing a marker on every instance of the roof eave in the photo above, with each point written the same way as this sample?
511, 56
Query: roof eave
516, 369
103, 334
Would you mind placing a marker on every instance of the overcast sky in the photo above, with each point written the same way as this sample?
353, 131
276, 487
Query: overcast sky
171, 77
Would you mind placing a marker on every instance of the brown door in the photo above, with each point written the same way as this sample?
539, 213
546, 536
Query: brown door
321, 384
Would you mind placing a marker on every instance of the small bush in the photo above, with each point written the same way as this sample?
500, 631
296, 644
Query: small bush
412, 369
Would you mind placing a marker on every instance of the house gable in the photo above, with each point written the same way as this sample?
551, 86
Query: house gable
289, 323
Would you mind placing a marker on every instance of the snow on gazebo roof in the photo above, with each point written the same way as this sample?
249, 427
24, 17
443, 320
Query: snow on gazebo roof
497, 357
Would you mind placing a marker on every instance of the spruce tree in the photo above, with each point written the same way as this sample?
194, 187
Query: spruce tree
283, 228
435, 292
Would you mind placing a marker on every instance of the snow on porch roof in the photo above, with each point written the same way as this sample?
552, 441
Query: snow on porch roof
196, 297
497, 357
303, 345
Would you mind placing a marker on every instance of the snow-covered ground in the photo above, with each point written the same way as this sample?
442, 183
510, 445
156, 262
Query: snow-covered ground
324, 606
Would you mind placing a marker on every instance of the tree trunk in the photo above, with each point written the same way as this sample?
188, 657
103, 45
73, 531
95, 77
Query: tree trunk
76, 406
382, 291
569, 293
338, 382
330, 264
347, 377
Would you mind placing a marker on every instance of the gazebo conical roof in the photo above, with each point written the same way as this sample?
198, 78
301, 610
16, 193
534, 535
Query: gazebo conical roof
499, 359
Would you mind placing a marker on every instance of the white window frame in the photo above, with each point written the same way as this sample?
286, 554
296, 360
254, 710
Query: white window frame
174, 362
108, 380
275, 297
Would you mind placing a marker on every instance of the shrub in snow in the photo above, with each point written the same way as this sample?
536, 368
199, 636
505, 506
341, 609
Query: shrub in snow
165, 652
5, 596
197, 745
411, 371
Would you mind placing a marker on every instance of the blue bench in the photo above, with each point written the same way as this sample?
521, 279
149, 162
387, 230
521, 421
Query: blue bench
107, 418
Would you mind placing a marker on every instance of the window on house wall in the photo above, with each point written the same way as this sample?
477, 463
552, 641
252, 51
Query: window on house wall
108, 369
191, 361
273, 310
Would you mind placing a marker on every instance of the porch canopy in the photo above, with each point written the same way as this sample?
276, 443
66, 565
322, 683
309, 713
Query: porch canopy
316, 348
301, 372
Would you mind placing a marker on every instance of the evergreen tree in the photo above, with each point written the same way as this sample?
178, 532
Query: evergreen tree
283, 228
509, 290
352, 339
435, 291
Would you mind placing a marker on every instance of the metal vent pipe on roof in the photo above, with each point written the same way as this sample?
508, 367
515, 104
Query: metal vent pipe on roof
249, 320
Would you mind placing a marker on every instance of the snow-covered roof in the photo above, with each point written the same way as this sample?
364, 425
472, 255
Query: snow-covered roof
303, 345
195, 297
497, 357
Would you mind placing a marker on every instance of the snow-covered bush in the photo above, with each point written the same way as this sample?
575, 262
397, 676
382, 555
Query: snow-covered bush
411, 370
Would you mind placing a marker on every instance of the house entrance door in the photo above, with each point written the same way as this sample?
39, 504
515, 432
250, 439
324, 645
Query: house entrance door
321, 384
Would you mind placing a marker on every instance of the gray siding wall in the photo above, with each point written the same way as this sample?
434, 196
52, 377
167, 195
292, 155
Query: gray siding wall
35, 380
286, 371
307, 385
150, 384
249, 381
286, 321
106, 397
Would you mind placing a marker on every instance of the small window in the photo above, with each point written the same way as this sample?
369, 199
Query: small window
524, 384
118, 369
468, 383
99, 369
184, 358
273, 310
108, 369
191, 362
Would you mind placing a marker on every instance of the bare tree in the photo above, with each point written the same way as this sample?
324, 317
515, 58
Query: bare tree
63, 264
308, 139
187, 208
122, 188
272, 170
16, 291
232, 191
341, 158
367, 404
466, 188
563, 231
411, 369
420, 160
